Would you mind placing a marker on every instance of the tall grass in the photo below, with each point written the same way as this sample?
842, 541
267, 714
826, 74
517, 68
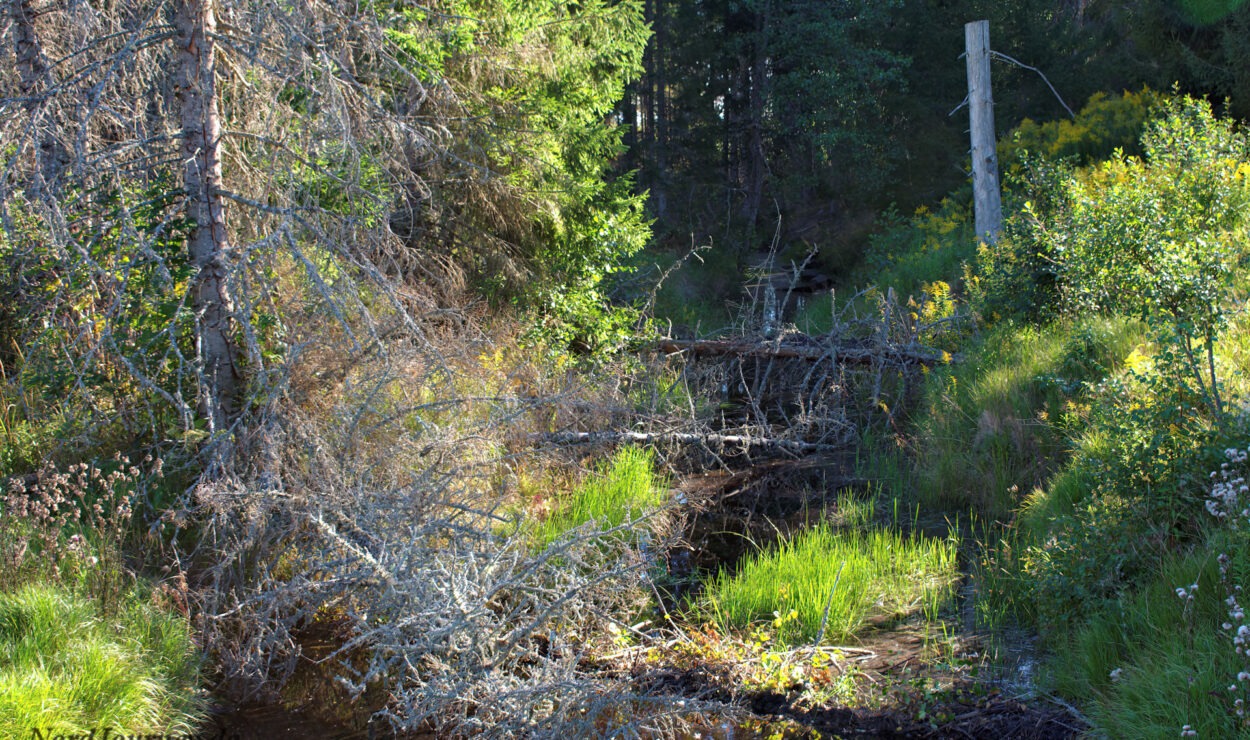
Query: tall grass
623, 489
1000, 424
856, 574
1149, 664
65, 667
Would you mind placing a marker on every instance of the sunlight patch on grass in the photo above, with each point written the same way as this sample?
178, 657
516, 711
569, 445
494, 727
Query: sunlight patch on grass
65, 666
623, 489
886, 574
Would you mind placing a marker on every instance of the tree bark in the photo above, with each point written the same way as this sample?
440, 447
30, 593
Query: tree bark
659, 60
845, 355
707, 439
986, 195
208, 245
30, 62
757, 162
32, 70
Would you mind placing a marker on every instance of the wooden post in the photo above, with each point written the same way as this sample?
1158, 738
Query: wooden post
987, 199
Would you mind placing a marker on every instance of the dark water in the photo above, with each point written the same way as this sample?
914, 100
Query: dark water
259, 722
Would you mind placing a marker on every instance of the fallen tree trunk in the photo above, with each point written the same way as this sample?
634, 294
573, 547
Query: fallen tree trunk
683, 438
845, 354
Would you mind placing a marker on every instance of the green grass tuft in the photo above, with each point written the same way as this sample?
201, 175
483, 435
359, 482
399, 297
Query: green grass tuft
886, 574
1000, 424
623, 489
66, 667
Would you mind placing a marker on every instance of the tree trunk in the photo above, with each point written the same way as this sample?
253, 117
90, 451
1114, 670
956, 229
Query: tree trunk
30, 62
207, 245
32, 70
986, 195
659, 42
757, 164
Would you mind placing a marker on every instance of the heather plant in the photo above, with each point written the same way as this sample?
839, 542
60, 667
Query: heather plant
56, 523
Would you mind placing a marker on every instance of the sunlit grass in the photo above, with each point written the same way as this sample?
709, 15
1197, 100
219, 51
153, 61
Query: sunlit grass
857, 574
1001, 423
65, 666
623, 489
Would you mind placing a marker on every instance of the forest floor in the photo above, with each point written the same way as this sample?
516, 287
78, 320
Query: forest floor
916, 677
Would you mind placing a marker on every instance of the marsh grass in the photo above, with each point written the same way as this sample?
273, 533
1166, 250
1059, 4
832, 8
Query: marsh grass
1149, 665
859, 574
623, 489
64, 665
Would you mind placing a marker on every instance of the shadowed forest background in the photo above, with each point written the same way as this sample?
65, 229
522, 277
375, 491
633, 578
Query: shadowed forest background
622, 368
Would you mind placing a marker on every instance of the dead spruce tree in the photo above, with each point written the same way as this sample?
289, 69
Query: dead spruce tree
199, 202
208, 244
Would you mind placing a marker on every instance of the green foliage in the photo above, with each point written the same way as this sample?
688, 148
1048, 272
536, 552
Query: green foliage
1018, 275
529, 203
825, 94
106, 328
859, 574
126, 285
931, 245
1159, 237
67, 668
1125, 501
621, 491
1151, 663
1156, 237
1167, 654
999, 424
762, 110
1106, 124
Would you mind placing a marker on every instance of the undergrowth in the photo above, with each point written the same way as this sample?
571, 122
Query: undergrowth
1104, 383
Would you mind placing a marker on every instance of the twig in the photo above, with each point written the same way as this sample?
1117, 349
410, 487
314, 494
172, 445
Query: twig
824, 620
1022, 65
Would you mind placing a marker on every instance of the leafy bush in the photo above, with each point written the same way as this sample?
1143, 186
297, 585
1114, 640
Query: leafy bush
930, 246
1159, 237
1156, 237
1105, 124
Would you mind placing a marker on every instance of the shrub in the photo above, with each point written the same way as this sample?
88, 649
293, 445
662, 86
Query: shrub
1105, 124
1154, 237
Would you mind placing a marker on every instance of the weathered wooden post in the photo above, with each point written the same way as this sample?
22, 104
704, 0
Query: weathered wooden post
987, 199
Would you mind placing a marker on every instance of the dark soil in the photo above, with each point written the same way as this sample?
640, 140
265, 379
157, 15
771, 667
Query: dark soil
993, 719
